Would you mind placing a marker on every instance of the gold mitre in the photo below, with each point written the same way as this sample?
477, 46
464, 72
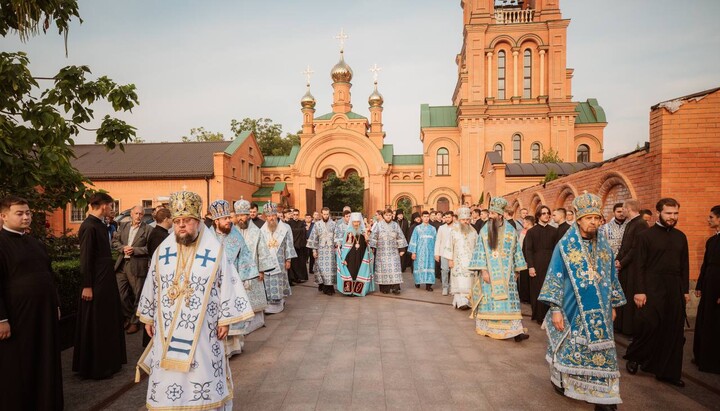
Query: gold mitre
587, 204
185, 204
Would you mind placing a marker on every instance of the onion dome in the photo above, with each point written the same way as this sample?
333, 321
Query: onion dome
375, 99
307, 101
341, 72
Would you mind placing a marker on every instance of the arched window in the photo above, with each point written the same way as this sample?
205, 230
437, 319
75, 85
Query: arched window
583, 153
442, 159
535, 152
498, 149
501, 75
517, 148
527, 74
443, 204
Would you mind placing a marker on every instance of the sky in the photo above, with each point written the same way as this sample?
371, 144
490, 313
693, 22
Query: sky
202, 64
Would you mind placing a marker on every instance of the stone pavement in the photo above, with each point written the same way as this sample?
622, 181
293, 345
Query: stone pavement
412, 351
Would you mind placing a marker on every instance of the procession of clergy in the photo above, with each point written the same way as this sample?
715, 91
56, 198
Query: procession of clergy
209, 285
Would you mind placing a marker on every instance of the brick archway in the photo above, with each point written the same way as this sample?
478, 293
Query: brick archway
614, 189
566, 197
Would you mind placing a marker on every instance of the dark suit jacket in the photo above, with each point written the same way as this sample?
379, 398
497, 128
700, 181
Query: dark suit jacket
156, 237
138, 263
626, 253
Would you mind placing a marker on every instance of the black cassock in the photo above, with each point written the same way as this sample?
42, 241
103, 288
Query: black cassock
30, 371
354, 257
706, 346
663, 275
538, 248
99, 350
627, 255
298, 266
406, 259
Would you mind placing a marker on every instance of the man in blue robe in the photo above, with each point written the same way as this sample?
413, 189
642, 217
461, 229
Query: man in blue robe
498, 256
355, 270
238, 255
422, 250
582, 290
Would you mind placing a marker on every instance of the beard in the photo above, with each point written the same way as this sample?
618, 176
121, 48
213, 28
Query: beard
225, 229
243, 225
272, 225
493, 229
465, 229
667, 223
186, 239
325, 219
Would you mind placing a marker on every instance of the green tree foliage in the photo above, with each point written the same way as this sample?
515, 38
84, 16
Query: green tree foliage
41, 116
550, 156
406, 205
200, 134
268, 135
337, 193
550, 176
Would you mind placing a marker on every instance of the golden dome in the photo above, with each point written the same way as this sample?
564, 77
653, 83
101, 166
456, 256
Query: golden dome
341, 72
375, 99
307, 101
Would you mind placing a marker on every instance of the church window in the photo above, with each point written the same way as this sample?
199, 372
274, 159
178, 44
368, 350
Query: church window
527, 74
583, 153
443, 204
250, 151
498, 149
77, 214
517, 148
501, 75
535, 152
147, 204
443, 162
250, 176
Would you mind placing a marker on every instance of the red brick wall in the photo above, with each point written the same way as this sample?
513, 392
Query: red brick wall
681, 162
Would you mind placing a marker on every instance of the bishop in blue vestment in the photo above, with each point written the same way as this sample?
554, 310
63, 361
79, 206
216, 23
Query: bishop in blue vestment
582, 290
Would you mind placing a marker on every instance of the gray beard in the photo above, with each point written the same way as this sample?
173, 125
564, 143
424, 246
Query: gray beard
465, 229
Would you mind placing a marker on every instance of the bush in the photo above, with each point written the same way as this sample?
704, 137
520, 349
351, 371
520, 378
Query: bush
65, 247
68, 284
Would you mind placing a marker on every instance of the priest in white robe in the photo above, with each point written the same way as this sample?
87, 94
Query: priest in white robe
459, 249
189, 300
280, 241
322, 244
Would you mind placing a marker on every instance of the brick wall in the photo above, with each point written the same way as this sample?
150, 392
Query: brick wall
681, 161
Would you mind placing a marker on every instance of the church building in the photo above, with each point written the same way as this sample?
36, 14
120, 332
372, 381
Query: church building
513, 100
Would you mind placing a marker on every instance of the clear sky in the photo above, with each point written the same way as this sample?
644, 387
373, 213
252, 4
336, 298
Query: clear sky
203, 63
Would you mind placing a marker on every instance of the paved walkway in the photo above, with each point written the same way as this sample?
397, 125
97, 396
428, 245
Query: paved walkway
412, 351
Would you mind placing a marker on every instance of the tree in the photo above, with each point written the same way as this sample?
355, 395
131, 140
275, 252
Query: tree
38, 124
337, 193
268, 135
200, 134
550, 156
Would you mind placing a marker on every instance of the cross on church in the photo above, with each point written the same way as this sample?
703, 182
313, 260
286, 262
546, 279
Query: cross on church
205, 258
308, 73
375, 70
167, 256
341, 38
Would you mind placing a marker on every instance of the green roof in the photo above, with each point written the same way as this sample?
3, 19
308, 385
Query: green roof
282, 161
387, 153
263, 192
438, 116
279, 186
407, 159
590, 112
350, 115
237, 142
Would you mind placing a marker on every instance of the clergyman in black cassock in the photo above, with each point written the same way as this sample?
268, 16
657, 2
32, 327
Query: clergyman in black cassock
627, 262
538, 248
405, 260
30, 371
706, 346
99, 350
299, 265
661, 293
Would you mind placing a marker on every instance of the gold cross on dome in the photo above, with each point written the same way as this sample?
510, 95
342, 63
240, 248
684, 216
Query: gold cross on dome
341, 38
375, 70
308, 73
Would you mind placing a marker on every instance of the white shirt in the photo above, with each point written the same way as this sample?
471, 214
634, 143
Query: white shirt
443, 236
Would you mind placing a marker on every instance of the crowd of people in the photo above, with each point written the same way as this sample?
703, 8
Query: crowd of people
198, 280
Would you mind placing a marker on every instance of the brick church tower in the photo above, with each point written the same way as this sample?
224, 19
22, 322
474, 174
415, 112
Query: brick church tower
513, 96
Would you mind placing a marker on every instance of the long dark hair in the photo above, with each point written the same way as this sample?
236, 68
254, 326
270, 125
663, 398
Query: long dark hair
493, 227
